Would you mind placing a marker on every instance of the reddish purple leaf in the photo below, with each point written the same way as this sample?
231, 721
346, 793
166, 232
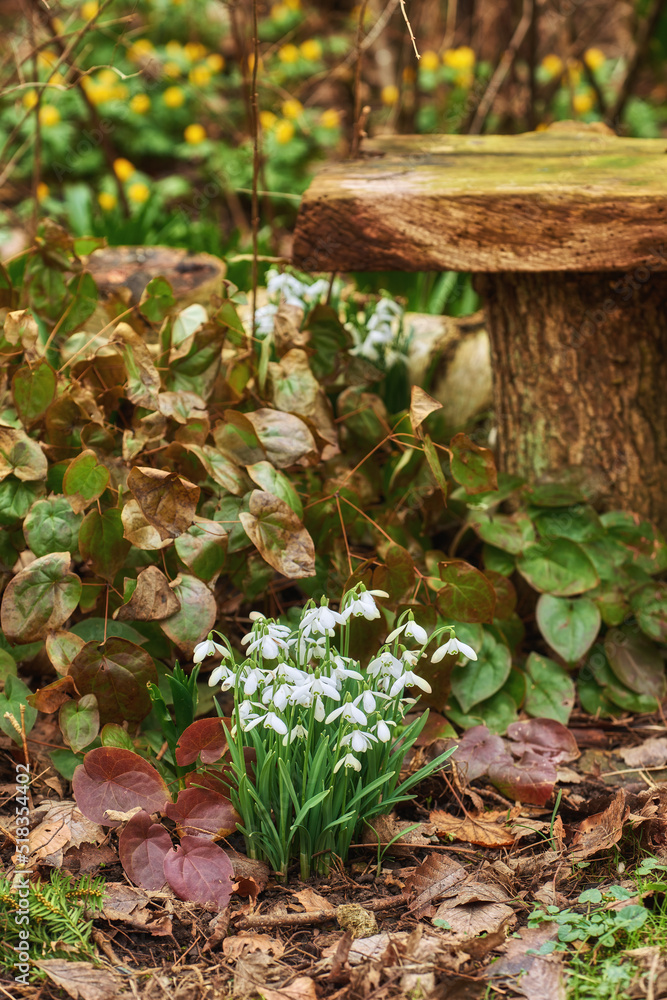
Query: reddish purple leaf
115, 778
116, 672
543, 736
199, 812
216, 779
530, 780
477, 750
205, 737
142, 846
200, 871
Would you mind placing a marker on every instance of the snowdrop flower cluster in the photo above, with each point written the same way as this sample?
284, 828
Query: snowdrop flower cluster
295, 293
329, 737
378, 337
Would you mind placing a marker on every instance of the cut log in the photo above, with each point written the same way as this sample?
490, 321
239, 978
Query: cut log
122, 273
567, 231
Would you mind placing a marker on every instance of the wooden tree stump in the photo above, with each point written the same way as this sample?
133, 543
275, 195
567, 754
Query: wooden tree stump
567, 231
122, 273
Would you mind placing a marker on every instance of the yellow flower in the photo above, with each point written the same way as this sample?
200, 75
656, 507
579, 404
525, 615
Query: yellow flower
29, 99
58, 24
42, 191
311, 50
172, 69
215, 62
107, 77
200, 76
46, 59
279, 11
142, 47
583, 102
173, 48
138, 193
574, 69
292, 108
48, 115
267, 119
174, 97
594, 58
251, 62
288, 54
119, 92
461, 58
293, 4
552, 64
140, 104
89, 9
106, 201
429, 60
194, 134
99, 94
464, 80
195, 51
123, 169
284, 131
330, 118
389, 95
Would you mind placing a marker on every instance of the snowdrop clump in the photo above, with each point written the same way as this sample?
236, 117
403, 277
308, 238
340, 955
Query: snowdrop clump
294, 292
329, 738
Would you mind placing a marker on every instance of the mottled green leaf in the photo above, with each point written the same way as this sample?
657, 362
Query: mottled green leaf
570, 626
52, 526
549, 691
33, 389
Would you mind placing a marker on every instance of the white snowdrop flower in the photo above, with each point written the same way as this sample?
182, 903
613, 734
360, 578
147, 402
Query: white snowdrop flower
342, 670
224, 676
368, 701
251, 681
386, 664
298, 733
410, 629
363, 604
349, 712
264, 319
316, 686
270, 648
320, 621
208, 648
270, 721
383, 731
320, 711
409, 679
453, 647
257, 616
348, 761
410, 658
359, 742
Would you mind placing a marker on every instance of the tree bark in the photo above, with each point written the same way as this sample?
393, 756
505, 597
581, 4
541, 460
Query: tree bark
580, 380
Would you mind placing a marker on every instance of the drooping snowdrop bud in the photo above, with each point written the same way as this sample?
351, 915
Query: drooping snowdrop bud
208, 648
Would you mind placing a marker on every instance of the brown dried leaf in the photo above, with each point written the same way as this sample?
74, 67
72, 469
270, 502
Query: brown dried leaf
152, 600
421, 404
143, 378
138, 531
296, 390
651, 753
49, 699
538, 977
602, 830
279, 535
167, 501
245, 942
436, 877
82, 979
383, 829
82, 830
472, 919
472, 829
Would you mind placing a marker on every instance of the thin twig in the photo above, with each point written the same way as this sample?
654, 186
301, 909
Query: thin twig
412, 37
498, 78
357, 128
255, 166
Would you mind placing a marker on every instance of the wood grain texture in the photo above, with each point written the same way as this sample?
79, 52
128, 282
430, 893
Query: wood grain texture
580, 369
556, 200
